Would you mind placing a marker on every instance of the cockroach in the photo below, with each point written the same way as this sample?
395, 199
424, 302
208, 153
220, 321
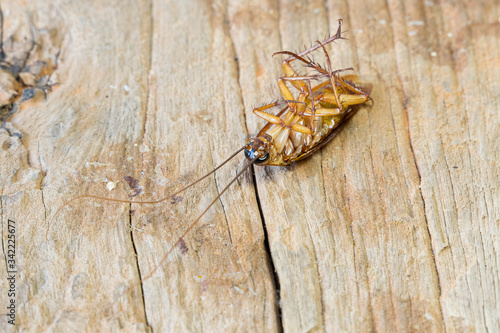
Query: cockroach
326, 100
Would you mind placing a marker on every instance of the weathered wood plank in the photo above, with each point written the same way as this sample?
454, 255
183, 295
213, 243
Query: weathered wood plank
222, 280
393, 226
74, 139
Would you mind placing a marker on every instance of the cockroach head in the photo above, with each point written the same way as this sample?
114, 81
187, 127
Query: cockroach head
257, 149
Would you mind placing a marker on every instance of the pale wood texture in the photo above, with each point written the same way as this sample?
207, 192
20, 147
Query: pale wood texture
393, 226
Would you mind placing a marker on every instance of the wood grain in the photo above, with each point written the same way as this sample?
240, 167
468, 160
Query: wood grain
393, 226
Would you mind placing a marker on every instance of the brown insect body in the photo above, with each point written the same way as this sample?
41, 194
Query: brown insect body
313, 118
283, 145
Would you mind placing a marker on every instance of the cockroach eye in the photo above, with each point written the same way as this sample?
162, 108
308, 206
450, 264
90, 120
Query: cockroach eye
250, 154
262, 159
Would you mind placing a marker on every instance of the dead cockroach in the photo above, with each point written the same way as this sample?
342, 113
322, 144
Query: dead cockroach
326, 100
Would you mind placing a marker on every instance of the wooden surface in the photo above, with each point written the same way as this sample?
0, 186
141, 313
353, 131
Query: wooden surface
393, 226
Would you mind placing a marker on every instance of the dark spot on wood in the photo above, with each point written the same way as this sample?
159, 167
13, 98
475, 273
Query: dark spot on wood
133, 184
182, 246
176, 199
204, 286
131, 181
405, 103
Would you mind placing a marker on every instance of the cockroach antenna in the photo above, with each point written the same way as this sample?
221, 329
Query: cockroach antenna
140, 202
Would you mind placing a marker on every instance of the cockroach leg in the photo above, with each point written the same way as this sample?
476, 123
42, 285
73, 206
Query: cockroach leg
287, 61
284, 90
302, 129
288, 96
343, 70
268, 117
280, 122
324, 112
332, 75
290, 72
265, 107
349, 83
300, 56
344, 99
338, 35
313, 106
260, 110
